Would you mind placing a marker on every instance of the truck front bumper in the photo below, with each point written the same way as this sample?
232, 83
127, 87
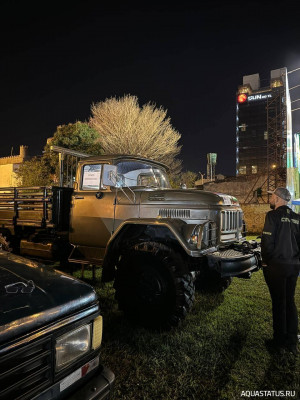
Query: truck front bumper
231, 263
95, 386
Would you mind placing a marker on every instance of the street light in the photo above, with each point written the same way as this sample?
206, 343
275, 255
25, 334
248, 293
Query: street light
201, 177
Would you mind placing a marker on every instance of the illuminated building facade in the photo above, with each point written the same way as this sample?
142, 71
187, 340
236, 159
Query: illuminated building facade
264, 143
296, 169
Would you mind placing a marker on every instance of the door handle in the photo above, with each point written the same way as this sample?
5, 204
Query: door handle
79, 197
99, 195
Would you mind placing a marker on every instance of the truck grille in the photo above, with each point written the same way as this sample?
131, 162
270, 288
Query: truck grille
174, 213
231, 220
25, 372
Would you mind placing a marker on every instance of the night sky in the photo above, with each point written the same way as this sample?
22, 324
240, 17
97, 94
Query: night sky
189, 58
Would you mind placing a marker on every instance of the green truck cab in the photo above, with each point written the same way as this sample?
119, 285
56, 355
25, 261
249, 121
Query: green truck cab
156, 243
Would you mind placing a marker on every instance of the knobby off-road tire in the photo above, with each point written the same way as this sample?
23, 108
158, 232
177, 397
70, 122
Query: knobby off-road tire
153, 287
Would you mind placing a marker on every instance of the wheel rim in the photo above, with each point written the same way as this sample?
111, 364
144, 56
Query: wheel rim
151, 288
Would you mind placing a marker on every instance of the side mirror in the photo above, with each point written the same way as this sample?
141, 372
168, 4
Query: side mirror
109, 175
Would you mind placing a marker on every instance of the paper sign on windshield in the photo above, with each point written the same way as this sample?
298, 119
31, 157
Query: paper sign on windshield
91, 177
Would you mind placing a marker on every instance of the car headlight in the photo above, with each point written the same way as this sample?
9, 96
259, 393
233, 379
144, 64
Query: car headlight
72, 345
97, 332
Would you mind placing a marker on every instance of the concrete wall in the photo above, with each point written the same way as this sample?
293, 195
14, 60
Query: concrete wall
7, 175
254, 215
8, 167
238, 188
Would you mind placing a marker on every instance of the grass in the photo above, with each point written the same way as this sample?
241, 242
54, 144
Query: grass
217, 353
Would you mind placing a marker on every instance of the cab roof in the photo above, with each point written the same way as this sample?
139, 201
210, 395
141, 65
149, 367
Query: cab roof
114, 158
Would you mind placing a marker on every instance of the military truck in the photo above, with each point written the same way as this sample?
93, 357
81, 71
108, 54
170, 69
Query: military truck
50, 335
156, 243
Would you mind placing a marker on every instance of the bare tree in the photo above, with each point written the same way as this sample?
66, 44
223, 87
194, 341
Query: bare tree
126, 128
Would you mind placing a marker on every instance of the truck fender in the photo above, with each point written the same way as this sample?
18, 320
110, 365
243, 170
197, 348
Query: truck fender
162, 229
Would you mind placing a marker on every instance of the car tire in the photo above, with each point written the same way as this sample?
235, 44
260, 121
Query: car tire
153, 287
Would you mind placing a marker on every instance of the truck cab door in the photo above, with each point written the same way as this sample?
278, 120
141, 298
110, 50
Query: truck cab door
92, 211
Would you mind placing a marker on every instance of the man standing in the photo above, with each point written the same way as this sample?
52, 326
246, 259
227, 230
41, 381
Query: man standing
280, 249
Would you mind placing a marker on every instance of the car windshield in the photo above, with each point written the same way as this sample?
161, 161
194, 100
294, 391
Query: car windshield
137, 173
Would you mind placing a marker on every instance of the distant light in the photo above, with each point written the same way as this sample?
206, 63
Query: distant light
242, 98
274, 166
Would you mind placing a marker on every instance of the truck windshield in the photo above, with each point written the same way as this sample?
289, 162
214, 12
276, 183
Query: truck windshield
137, 173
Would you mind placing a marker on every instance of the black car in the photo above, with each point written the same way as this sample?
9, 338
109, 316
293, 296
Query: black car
50, 334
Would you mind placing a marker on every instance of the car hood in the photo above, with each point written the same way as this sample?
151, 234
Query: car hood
32, 294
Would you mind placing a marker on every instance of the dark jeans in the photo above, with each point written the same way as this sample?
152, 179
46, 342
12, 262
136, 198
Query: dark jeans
281, 281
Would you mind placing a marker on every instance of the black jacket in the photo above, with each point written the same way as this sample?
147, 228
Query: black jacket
280, 241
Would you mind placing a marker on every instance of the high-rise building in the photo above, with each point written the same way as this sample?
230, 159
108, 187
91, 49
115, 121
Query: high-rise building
263, 129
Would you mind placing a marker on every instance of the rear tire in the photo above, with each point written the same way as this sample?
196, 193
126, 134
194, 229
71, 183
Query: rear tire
153, 286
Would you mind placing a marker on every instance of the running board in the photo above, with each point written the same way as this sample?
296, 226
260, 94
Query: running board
79, 256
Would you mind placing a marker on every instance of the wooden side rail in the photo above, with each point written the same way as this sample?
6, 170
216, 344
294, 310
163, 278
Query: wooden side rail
26, 205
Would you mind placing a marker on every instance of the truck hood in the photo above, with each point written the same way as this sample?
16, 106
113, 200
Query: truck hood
32, 295
184, 197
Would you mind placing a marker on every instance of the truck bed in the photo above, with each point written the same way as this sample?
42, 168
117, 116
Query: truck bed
45, 207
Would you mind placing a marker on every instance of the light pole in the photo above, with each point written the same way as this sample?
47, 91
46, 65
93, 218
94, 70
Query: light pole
200, 173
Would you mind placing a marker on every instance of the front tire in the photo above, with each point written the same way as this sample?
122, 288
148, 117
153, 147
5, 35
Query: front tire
153, 286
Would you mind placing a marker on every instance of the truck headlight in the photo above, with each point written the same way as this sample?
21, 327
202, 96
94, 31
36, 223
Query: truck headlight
72, 345
204, 235
194, 238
